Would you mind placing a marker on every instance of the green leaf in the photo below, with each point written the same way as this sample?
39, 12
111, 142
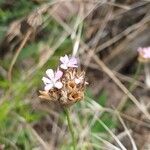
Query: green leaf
102, 98
4, 84
89, 93
108, 120
29, 51
4, 110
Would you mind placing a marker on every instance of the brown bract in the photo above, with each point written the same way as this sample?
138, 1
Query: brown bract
71, 92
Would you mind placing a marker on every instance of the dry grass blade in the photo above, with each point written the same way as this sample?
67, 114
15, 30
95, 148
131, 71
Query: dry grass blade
108, 144
113, 135
41, 141
77, 37
95, 108
9, 142
35, 134
128, 133
120, 85
123, 34
17, 54
136, 121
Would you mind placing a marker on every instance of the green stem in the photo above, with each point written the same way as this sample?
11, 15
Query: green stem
70, 128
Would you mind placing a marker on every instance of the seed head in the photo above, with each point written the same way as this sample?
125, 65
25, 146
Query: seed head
65, 86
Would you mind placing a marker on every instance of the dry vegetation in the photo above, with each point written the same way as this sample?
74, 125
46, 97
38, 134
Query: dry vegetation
104, 34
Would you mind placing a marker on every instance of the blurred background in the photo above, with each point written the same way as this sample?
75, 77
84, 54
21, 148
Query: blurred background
104, 35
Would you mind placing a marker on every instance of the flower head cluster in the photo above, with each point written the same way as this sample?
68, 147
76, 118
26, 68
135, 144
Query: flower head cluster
66, 85
144, 54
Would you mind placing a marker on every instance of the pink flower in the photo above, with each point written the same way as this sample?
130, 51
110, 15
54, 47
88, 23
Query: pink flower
52, 80
68, 62
144, 52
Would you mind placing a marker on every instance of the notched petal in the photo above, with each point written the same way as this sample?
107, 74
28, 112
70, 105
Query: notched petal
46, 80
64, 59
63, 66
48, 87
50, 73
58, 75
58, 85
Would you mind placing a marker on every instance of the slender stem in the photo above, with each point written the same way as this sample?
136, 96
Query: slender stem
70, 128
147, 74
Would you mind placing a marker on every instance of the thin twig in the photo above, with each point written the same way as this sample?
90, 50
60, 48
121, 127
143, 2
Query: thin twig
123, 34
17, 54
108, 144
128, 133
27, 125
120, 85
113, 135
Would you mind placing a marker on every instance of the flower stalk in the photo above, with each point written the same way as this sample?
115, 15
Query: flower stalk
144, 57
147, 74
70, 126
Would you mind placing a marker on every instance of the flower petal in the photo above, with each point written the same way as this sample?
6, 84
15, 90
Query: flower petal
46, 80
64, 59
58, 85
48, 87
58, 75
50, 73
73, 60
63, 66
72, 65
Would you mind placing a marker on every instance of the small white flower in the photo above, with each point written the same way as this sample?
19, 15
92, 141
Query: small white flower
52, 80
68, 62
